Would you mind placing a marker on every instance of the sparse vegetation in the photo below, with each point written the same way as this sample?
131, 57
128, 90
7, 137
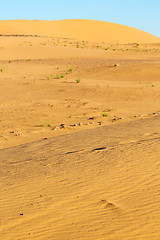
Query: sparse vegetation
46, 124
49, 77
103, 46
43, 43
137, 45
60, 76
91, 118
2, 69
104, 115
78, 80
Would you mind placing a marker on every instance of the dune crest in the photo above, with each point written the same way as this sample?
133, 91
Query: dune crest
90, 30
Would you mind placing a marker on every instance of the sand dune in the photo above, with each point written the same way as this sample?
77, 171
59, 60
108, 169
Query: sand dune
79, 131
80, 29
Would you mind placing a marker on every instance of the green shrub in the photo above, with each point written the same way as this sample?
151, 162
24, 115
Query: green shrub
104, 115
78, 80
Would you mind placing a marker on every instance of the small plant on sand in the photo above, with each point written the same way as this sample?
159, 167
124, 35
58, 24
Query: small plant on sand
9, 61
153, 85
60, 76
43, 43
49, 77
104, 115
116, 65
91, 118
1, 69
78, 80
137, 44
70, 70
46, 124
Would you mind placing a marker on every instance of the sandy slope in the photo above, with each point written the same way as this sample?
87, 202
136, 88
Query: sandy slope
80, 29
78, 160
95, 184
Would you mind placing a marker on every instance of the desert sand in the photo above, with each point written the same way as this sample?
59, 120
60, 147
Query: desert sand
79, 131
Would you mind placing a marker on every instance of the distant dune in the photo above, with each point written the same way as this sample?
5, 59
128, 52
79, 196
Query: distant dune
80, 29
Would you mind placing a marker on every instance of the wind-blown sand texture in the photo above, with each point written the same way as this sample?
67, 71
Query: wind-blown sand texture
79, 131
